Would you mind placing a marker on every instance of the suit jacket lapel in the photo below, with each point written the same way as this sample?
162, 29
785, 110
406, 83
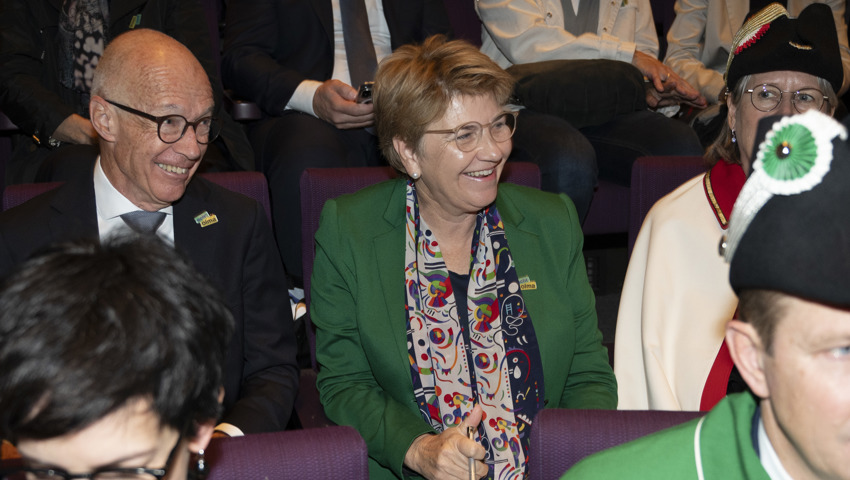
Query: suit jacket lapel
189, 237
119, 8
57, 4
390, 260
326, 17
518, 237
76, 213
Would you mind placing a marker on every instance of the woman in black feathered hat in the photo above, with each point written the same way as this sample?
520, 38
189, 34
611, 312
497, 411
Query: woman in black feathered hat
676, 297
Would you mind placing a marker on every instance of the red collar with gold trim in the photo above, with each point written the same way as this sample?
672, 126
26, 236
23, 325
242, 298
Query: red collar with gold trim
722, 184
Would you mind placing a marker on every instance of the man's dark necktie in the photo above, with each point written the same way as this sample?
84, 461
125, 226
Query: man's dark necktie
144, 222
359, 49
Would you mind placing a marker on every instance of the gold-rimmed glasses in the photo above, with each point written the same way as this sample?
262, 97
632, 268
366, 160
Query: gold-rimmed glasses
468, 135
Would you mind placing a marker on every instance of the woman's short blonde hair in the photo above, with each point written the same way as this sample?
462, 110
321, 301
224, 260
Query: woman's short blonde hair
724, 149
414, 86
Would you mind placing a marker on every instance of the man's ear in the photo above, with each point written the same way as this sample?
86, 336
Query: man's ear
205, 430
747, 351
103, 118
408, 155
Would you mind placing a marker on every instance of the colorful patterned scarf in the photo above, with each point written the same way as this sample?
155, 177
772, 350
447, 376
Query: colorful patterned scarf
495, 361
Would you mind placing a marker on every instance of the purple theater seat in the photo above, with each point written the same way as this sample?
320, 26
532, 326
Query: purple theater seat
654, 177
561, 437
608, 211
250, 184
320, 184
6, 125
15, 195
332, 452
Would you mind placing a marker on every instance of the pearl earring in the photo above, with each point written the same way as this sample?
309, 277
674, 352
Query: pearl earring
201, 466
734, 138
415, 175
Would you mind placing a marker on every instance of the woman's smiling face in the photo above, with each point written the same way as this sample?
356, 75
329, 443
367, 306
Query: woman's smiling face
455, 181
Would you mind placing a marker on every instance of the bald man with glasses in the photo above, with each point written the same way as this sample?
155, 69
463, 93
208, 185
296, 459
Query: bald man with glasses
152, 107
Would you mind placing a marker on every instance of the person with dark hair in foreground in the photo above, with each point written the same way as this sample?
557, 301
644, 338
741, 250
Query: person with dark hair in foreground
153, 108
111, 361
790, 267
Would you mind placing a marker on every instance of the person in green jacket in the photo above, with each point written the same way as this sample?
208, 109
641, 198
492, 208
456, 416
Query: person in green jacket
790, 267
447, 304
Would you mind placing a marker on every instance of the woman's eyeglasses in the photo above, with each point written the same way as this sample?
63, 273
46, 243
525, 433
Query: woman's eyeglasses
468, 135
767, 97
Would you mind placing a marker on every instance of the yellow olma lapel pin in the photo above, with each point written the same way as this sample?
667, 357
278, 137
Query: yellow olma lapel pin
526, 283
205, 219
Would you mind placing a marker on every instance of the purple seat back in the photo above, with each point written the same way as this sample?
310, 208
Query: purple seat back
609, 210
332, 452
250, 184
320, 184
561, 437
6, 125
15, 195
654, 177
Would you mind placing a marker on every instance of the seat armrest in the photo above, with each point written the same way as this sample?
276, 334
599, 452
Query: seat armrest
241, 110
6, 125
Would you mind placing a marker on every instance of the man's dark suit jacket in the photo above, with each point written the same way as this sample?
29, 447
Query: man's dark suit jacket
271, 46
239, 257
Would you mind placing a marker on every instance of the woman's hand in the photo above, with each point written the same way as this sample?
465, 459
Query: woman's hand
447, 455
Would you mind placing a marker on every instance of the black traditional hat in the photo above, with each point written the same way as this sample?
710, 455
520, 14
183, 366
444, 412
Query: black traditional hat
790, 227
770, 41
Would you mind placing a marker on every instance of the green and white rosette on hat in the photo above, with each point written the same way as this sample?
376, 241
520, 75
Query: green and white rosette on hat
795, 156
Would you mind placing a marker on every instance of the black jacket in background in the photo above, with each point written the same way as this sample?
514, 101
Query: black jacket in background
30, 92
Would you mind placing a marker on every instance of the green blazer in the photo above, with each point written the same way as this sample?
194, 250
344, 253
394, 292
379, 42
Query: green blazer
358, 306
723, 438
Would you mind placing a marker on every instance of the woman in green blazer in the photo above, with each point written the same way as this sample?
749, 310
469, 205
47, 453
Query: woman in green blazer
436, 389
